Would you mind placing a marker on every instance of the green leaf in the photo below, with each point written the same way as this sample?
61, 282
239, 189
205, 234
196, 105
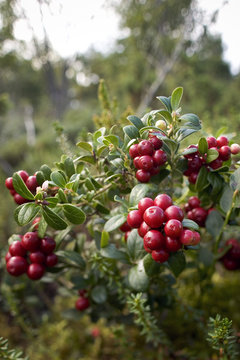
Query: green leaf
187, 223
21, 188
74, 214
53, 220
166, 115
89, 185
189, 151
46, 171
166, 102
134, 245
151, 266
177, 262
104, 239
99, 294
137, 277
61, 195
88, 159
183, 133
40, 177
86, 146
111, 252
138, 192
25, 213
111, 139
58, 179
214, 223
42, 227
136, 121
176, 97
115, 222
202, 179
69, 167
212, 154
202, 146
235, 180
72, 257
226, 198
190, 121
100, 207
131, 131
205, 256
217, 183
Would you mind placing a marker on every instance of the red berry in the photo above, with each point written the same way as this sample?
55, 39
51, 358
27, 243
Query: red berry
35, 271
24, 175
172, 245
7, 256
194, 164
51, 260
125, 227
19, 199
95, 332
134, 219
163, 201
147, 249
190, 215
31, 183
188, 156
235, 149
230, 264
173, 228
12, 192
200, 215
48, 245
157, 143
145, 147
155, 170
136, 162
234, 252
174, 212
133, 151
159, 157
154, 216
196, 238
212, 141
9, 183
193, 178
17, 265
31, 241
194, 202
143, 176
154, 240
216, 164
145, 162
187, 237
36, 222
160, 255
82, 292
144, 228
222, 141
16, 249
225, 153
82, 303
37, 257
144, 204
127, 233
187, 207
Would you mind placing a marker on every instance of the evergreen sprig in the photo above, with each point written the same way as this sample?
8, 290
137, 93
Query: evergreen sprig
221, 337
7, 354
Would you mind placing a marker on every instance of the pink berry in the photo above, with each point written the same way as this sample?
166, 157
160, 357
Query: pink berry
230, 264
193, 178
134, 219
125, 227
200, 215
133, 151
160, 255
143, 176
174, 212
136, 162
154, 240
145, 147
144, 204
147, 249
154, 216
127, 233
7, 256
19, 199
196, 238
188, 156
187, 237
163, 201
216, 164
235, 149
194, 164
155, 170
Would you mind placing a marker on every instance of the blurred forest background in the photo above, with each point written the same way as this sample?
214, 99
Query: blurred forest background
166, 45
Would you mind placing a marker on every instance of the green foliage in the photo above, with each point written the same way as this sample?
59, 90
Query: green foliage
7, 354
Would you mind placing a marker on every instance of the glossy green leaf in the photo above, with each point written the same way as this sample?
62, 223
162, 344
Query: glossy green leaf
25, 213
99, 294
166, 115
104, 239
176, 97
46, 171
58, 179
69, 167
135, 245
131, 131
61, 195
190, 121
226, 198
212, 154
138, 192
214, 223
74, 214
85, 145
53, 220
151, 266
202, 179
111, 252
72, 257
40, 177
42, 227
111, 139
115, 222
166, 101
21, 188
187, 223
88, 159
136, 121
177, 262
235, 180
202, 146
137, 277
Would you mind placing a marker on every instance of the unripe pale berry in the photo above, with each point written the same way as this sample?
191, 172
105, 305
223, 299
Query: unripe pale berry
161, 124
235, 149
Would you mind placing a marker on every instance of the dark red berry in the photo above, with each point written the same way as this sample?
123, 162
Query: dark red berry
155, 170
194, 164
9, 183
173, 228
144, 228
193, 178
187, 207
172, 245
31, 183
188, 156
160, 255
82, 303
224, 153
19, 199
200, 215
157, 143
12, 192
136, 162
146, 162
51, 260
174, 212
35, 271
234, 252
216, 164
37, 257
154, 240
17, 265
154, 216
143, 176
145, 147
222, 141
163, 201
82, 292
194, 202
7, 256
230, 264
159, 157
134, 219
212, 141
31, 241
16, 249
125, 227
24, 175
147, 249
48, 245
144, 204
187, 237
190, 215
133, 151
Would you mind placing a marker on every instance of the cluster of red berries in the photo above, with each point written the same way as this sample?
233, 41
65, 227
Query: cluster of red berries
195, 212
82, 302
31, 255
159, 222
147, 158
196, 160
126, 228
30, 181
231, 260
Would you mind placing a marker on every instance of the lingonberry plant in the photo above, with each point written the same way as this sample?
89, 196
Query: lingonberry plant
122, 235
